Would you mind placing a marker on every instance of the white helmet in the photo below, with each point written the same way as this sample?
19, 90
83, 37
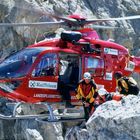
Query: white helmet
87, 75
102, 91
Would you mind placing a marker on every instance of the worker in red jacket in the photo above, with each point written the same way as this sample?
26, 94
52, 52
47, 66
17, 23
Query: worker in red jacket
87, 92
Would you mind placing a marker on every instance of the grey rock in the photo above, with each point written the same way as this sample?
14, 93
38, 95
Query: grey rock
33, 135
116, 120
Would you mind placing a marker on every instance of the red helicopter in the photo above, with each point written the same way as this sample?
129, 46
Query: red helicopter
32, 75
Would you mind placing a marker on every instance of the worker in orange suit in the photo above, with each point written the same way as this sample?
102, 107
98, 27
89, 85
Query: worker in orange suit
87, 92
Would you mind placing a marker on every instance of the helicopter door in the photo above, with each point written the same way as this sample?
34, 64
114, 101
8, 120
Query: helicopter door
94, 65
44, 75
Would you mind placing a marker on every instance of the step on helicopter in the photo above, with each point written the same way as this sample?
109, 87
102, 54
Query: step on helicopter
31, 75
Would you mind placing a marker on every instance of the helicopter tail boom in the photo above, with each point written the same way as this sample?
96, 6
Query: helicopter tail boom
136, 60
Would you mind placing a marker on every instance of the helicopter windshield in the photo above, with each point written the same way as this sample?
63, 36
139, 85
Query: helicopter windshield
18, 64
46, 66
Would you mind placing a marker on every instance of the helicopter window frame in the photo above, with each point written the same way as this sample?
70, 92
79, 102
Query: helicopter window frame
47, 65
94, 65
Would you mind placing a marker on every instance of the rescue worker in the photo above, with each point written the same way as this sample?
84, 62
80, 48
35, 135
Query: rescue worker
63, 85
101, 98
87, 92
126, 85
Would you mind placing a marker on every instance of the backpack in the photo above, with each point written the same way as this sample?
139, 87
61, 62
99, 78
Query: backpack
132, 85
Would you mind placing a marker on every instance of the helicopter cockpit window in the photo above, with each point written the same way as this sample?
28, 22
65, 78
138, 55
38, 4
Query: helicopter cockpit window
46, 66
18, 64
95, 66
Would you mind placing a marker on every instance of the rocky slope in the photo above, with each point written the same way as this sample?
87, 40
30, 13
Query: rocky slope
14, 38
112, 121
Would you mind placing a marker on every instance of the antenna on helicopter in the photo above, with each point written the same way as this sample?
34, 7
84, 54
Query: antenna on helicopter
36, 37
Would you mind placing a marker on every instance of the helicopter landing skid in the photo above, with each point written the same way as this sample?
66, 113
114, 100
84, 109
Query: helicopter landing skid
51, 113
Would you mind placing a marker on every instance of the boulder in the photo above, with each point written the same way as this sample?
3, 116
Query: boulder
116, 120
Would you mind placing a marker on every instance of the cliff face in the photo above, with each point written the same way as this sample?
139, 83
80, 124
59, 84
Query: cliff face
14, 38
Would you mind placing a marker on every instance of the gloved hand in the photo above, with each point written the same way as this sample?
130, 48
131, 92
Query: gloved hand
86, 104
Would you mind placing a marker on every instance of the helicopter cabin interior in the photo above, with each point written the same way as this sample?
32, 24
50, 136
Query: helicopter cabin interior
69, 67
64, 65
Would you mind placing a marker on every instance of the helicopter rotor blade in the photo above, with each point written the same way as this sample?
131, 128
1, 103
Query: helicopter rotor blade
88, 21
33, 9
36, 10
60, 17
103, 27
48, 24
82, 22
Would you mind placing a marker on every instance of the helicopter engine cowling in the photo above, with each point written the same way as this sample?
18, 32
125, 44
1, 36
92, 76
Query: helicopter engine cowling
71, 36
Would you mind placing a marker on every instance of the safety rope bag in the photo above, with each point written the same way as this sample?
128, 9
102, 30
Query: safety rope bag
132, 85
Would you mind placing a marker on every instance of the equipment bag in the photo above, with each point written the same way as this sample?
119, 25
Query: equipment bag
132, 85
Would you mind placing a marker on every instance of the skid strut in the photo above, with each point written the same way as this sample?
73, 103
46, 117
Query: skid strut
50, 115
15, 108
